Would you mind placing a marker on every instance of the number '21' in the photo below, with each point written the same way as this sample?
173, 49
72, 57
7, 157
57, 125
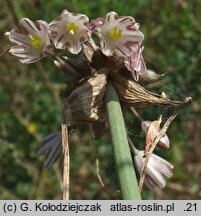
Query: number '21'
191, 207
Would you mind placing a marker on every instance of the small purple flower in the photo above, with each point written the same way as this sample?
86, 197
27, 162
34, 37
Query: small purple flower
32, 41
164, 140
51, 146
118, 34
69, 31
157, 168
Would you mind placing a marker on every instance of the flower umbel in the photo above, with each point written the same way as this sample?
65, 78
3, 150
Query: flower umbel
118, 34
98, 86
157, 168
69, 31
32, 41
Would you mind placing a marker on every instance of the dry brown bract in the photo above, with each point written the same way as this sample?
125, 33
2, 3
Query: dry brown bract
86, 102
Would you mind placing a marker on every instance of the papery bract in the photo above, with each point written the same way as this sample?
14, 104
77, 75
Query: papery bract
164, 140
32, 41
151, 134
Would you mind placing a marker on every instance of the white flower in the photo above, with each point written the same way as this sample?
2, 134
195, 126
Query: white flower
32, 41
69, 31
156, 168
51, 146
118, 34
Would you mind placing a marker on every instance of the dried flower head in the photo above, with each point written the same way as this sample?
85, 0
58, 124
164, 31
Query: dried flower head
32, 41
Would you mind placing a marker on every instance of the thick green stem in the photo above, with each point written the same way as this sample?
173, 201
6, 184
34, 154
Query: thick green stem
123, 160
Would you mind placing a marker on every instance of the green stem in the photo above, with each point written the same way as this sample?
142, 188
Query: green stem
123, 160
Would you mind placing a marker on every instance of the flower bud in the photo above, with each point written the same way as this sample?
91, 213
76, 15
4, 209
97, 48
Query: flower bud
164, 140
150, 76
145, 125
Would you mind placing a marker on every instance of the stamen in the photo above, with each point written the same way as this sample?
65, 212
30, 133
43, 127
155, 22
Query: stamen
36, 41
115, 33
72, 28
7, 33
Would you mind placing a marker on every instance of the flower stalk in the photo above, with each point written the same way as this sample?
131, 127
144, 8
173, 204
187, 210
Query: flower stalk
123, 160
66, 161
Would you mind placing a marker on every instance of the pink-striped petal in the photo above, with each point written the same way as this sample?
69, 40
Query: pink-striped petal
25, 53
18, 37
156, 176
149, 183
162, 165
28, 26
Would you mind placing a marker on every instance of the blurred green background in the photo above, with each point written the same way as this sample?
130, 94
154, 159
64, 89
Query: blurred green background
30, 105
